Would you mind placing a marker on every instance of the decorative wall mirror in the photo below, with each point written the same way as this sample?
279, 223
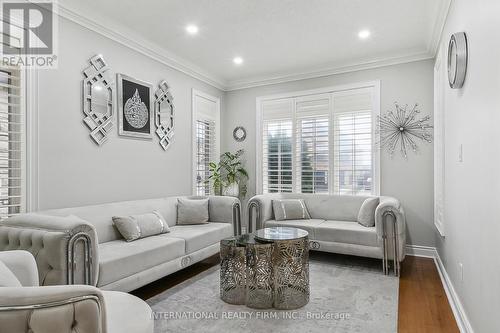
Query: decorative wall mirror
457, 60
98, 99
239, 133
164, 114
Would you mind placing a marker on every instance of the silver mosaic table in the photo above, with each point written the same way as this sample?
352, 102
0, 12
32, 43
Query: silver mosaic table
265, 269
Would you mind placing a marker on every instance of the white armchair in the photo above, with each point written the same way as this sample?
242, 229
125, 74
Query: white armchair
26, 307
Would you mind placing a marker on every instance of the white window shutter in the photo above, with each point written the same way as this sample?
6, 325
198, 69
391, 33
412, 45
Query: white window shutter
353, 142
312, 118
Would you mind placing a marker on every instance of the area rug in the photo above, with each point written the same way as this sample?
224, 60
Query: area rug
348, 294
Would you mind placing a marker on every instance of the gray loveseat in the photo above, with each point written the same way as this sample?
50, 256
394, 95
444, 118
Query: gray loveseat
82, 246
333, 225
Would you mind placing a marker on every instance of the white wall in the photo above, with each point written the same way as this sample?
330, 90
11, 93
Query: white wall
75, 171
472, 188
410, 181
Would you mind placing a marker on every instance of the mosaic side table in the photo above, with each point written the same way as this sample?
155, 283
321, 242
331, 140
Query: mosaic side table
269, 268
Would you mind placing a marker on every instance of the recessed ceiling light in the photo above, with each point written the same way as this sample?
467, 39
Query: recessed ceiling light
192, 29
364, 34
238, 60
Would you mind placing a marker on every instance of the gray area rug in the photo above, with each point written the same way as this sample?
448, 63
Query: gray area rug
348, 294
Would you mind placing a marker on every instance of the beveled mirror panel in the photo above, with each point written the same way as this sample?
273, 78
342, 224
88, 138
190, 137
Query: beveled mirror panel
98, 99
164, 114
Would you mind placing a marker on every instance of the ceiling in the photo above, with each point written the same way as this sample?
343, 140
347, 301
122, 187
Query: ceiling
279, 40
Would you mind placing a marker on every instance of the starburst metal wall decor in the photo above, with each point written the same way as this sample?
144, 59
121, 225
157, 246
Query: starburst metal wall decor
401, 129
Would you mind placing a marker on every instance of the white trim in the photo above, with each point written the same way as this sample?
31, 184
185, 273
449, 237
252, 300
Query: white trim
32, 148
300, 94
128, 38
456, 305
421, 251
437, 32
332, 70
457, 308
197, 93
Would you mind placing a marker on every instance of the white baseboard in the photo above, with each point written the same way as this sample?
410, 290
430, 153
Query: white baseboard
421, 251
461, 318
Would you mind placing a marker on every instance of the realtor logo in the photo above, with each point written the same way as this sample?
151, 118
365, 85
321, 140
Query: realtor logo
28, 33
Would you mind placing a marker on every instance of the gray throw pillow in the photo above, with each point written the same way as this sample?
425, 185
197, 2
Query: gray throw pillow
290, 209
366, 215
192, 211
139, 226
7, 278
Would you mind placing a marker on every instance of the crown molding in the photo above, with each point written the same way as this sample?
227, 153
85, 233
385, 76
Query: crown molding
129, 39
439, 24
266, 80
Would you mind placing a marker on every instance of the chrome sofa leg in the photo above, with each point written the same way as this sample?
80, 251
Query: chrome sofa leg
236, 219
87, 269
251, 207
395, 239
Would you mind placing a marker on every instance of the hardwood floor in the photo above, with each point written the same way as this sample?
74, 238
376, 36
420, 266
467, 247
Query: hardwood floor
423, 306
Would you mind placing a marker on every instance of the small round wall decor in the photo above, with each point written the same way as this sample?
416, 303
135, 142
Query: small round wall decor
239, 133
457, 60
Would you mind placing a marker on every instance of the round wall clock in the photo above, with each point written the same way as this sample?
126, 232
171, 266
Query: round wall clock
239, 133
457, 60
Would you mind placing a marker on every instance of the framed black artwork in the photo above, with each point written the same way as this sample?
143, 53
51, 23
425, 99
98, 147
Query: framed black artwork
135, 107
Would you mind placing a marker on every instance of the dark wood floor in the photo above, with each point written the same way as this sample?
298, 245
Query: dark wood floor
423, 306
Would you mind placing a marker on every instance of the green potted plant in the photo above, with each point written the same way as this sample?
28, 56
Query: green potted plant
228, 176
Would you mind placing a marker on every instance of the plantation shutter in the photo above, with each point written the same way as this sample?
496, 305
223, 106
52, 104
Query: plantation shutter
353, 142
312, 117
206, 144
277, 146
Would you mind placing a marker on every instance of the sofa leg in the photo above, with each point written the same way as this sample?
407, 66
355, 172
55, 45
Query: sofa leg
395, 239
251, 206
87, 269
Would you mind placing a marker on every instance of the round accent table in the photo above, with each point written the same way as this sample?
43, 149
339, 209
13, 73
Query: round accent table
268, 268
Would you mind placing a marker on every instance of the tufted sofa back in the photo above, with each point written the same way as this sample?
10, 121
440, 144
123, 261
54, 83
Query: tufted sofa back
101, 216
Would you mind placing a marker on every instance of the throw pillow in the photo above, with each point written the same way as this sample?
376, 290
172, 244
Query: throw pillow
290, 209
366, 215
192, 211
7, 278
139, 226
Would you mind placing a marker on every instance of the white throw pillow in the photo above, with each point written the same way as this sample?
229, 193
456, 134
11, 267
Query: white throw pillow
192, 211
290, 209
366, 215
139, 226
7, 278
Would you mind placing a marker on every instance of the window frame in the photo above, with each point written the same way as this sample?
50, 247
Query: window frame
195, 115
339, 89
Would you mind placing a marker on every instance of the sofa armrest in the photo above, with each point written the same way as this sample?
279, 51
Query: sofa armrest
260, 207
389, 209
65, 248
225, 209
23, 265
52, 309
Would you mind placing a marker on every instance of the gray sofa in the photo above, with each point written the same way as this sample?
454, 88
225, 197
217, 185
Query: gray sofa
333, 226
26, 307
82, 246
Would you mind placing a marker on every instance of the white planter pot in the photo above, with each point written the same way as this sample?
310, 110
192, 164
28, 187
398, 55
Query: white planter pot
233, 190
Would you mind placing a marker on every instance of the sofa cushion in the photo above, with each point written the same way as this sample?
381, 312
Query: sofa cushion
307, 225
346, 232
133, 227
200, 235
290, 209
192, 211
119, 259
366, 215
